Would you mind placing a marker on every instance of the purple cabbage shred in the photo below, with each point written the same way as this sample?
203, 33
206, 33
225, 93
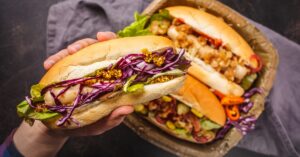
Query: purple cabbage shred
246, 107
29, 102
244, 125
253, 91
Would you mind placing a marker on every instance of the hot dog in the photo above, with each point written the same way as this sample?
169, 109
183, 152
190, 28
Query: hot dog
193, 113
84, 87
222, 59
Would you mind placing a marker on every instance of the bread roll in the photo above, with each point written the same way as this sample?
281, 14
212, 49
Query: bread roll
196, 95
216, 28
101, 55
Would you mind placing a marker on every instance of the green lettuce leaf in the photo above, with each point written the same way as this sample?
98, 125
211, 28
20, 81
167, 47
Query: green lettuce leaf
23, 108
141, 24
161, 15
137, 28
35, 90
25, 111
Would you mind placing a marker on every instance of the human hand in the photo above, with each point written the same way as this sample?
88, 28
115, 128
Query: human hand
76, 46
117, 116
49, 141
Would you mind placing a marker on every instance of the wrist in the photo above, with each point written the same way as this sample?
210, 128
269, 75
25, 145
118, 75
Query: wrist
38, 140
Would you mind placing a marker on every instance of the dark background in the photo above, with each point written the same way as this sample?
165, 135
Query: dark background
22, 51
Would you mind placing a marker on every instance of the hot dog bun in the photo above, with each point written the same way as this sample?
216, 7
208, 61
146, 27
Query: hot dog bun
196, 95
94, 55
212, 78
215, 27
100, 55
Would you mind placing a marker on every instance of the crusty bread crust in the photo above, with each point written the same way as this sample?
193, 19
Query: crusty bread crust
196, 95
108, 50
215, 27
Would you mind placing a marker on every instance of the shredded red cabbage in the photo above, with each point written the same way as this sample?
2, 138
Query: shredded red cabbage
222, 132
132, 64
29, 102
253, 91
63, 91
55, 98
75, 104
246, 123
246, 107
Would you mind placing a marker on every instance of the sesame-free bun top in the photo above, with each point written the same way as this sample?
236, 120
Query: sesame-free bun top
196, 95
216, 28
107, 51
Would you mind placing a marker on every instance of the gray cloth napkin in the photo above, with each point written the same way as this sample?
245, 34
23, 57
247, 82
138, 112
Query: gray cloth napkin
277, 130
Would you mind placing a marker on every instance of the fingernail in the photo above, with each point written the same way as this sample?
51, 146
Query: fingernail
113, 35
102, 36
99, 35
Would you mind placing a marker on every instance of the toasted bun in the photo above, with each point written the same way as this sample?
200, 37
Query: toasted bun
212, 78
103, 51
215, 27
101, 55
196, 95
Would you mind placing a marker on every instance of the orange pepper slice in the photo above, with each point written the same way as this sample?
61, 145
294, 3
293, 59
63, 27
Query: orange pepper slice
232, 100
232, 112
259, 62
219, 94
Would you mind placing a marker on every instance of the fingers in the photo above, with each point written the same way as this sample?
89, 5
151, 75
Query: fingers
76, 46
96, 128
121, 111
48, 64
115, 118
102, 36
80, 44
105, 124
73, 48
50, 61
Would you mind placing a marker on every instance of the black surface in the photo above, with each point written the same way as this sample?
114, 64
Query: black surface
280, 15
22, 51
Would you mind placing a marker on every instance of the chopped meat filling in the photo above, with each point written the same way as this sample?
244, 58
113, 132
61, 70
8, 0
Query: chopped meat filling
210, 50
